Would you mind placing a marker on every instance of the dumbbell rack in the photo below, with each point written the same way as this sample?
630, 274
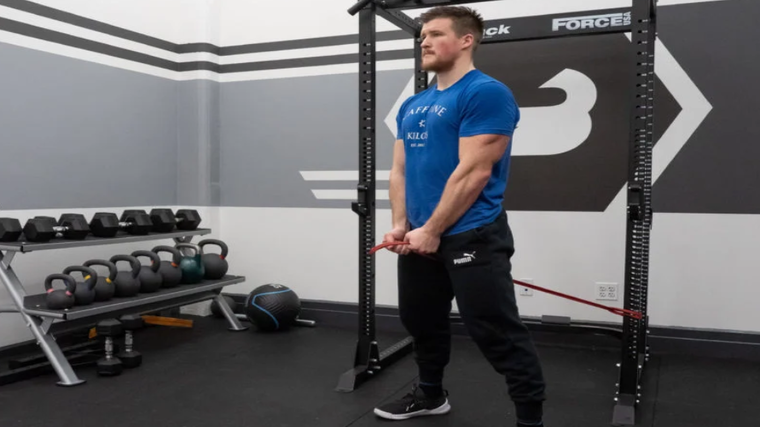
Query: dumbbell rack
42, 321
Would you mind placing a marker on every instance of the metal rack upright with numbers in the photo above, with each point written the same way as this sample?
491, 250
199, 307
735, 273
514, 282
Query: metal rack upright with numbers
640, 21
42, 321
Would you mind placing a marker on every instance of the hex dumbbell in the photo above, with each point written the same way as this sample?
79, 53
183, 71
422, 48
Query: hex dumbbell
129, 357
165, 221
45, 228
107, 224
109, 365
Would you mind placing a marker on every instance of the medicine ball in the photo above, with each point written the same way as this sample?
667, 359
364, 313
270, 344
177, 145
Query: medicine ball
272, 307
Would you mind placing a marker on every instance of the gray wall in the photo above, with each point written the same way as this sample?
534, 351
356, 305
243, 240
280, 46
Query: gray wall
272, 129
80, 135
198, 143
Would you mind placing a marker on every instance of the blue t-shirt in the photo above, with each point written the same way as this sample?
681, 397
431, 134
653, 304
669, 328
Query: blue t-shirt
431, 122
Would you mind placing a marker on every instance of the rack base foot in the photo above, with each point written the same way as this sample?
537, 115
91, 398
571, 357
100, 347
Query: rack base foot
625, 411
71, 383
352, 379
360, 373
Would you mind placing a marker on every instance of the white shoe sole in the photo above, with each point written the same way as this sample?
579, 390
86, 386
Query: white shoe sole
443, 409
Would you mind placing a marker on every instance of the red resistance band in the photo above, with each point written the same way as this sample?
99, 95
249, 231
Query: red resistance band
614, 310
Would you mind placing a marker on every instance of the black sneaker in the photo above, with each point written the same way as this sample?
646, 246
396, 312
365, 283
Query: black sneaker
414, 404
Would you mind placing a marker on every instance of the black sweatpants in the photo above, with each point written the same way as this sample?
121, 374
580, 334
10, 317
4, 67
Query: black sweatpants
475, 268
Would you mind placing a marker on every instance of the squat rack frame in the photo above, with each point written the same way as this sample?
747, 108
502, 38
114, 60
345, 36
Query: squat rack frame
640, 21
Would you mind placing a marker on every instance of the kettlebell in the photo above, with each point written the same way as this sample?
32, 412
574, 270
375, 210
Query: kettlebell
214, 264
127, 282
150, 280
59, 299
85, 291
170, 272
104, 286
191, 266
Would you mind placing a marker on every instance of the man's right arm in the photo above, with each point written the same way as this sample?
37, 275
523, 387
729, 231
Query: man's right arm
397, 190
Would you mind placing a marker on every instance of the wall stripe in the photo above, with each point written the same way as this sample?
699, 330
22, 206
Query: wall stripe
209, 65
310, 62
102, 27
307, 43
197, 47
81, 43
54, 26
108, 29
312, 52
87, 34
323, 70
112, 45
98, 58
91, 24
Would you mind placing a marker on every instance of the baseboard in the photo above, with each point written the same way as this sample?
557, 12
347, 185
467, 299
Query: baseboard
662, 340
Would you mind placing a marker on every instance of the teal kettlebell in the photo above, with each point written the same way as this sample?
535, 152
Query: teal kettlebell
191, 266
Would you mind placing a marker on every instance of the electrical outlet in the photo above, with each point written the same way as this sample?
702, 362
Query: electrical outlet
606, 291
524, 290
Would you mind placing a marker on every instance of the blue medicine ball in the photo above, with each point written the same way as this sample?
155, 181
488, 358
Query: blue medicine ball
272, 307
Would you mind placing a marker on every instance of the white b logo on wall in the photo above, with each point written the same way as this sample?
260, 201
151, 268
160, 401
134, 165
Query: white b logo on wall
591, 22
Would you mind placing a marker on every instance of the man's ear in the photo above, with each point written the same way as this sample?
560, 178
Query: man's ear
467, 40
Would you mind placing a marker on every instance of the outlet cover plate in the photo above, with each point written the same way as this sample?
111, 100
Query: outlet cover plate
524, 290
606, 291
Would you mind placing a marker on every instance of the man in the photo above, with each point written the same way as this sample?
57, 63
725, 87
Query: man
450, 168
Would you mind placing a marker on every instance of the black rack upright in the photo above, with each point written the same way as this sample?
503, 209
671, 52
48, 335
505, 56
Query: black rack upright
640, 22
635, 351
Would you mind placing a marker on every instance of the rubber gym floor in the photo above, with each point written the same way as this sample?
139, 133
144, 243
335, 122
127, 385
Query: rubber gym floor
208, 376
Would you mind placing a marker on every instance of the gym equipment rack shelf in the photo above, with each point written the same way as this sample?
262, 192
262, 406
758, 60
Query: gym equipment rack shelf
42, 321
35, 304
122, 237
640, 21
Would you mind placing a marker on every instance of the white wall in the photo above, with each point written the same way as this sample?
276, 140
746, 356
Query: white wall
232, 22
260, 21
701, 270
183, 21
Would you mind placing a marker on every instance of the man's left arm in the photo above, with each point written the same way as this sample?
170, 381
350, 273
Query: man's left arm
477, 155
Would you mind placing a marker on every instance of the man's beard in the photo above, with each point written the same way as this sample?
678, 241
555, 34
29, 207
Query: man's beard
437, 65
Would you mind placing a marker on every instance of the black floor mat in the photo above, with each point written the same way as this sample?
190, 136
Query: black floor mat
208, 376
580, 390
695, 391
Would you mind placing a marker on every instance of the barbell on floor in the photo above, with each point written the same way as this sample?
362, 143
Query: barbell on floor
298, 322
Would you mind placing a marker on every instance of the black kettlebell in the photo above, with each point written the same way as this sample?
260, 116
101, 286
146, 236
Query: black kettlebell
59, 299
85, 292
215, 264
104, 287
191, 266
150, 280
127, 282
170, 272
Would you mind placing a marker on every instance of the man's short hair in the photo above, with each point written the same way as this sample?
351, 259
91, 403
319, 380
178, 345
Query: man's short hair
465, 20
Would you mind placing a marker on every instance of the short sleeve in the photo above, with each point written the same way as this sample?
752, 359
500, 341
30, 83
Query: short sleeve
489, 108
400, 118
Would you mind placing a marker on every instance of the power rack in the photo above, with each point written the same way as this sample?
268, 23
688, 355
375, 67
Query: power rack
640, 21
